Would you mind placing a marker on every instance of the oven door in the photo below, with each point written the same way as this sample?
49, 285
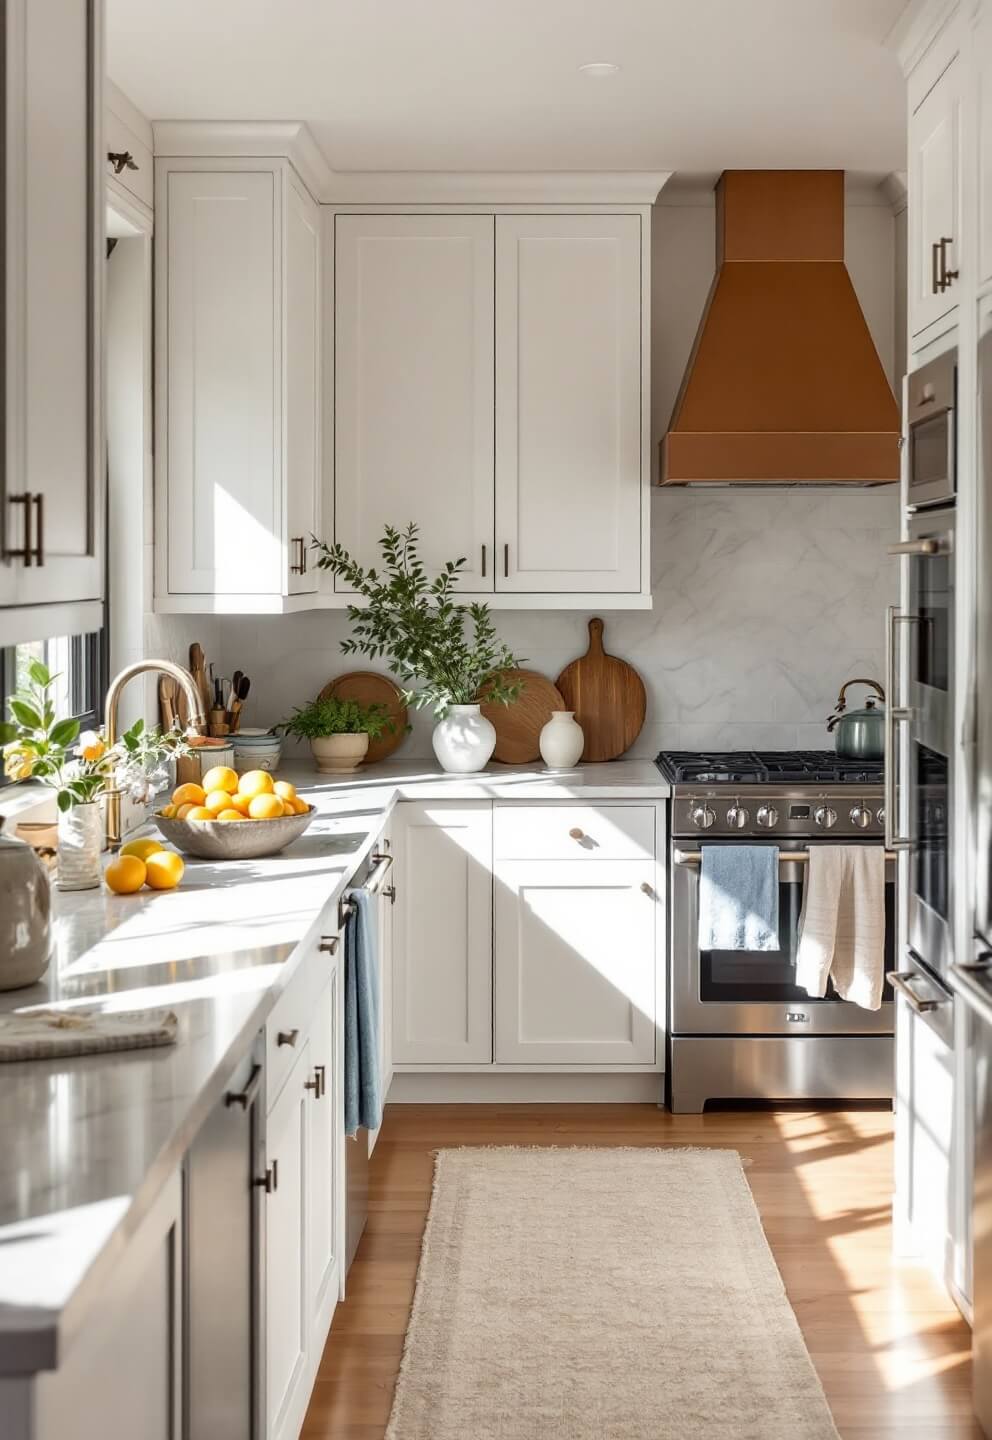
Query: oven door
931, 401
755, 993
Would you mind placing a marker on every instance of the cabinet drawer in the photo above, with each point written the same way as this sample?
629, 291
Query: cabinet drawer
121, 139
574, 832
287, 1027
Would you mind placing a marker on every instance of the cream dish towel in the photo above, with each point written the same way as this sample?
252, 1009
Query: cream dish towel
54, 1034
842, 925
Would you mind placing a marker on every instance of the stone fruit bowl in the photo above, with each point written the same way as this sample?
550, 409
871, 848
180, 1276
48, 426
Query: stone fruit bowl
234, 839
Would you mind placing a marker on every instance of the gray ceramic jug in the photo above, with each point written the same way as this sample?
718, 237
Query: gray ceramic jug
25, 915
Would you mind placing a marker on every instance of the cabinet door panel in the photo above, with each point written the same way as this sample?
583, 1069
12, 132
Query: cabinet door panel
442, 994
55, 268
286, 1298
983, 52
323, 1168
302, 387
934, 145
575, 962
568, 403
223, 383
414, 386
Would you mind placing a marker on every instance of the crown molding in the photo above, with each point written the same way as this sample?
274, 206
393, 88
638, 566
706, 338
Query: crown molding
247, 139
497, 187
917, 28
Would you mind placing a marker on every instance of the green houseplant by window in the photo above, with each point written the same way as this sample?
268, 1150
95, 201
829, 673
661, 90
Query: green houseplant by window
443, 652
339, 731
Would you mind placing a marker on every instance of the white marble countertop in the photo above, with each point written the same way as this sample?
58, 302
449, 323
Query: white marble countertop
87, 1143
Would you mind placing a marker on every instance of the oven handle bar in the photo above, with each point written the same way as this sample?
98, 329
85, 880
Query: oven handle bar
786, 857
900, 980
894, 714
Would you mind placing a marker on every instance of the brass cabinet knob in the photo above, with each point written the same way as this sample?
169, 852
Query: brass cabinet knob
647, 889
577, 834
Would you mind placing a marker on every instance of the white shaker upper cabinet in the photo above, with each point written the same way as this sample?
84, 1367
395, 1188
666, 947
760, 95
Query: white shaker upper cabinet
935, 250
568, 403
413, 410
237, 337
51, 527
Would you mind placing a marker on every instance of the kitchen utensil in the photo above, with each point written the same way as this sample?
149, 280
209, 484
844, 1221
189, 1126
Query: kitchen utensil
519, 725
234, 839
859, 734
25, 907
167, 701
607, 697
370, 688
256, 750
239, 694
198, 670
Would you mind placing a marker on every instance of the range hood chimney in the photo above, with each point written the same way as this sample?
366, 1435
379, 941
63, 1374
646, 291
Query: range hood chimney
784, 383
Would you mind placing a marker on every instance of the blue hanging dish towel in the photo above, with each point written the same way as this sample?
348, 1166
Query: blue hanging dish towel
362, 1097
738, 897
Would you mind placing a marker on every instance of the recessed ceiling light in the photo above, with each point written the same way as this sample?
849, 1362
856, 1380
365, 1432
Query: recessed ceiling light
599, 69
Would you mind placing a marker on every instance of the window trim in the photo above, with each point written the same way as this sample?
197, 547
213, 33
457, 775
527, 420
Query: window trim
88, 666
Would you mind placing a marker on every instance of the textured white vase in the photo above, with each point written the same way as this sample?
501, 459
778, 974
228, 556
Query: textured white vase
464, 740
561, 740
80, 845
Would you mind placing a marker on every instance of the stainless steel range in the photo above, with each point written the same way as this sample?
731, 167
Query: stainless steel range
739, 1027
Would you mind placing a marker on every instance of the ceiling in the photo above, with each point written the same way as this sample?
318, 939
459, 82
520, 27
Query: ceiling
495, 85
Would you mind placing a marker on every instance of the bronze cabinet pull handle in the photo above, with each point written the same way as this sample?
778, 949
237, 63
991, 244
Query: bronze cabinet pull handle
313, 1085
320, 1071
287, 1037
300, 565
946, 276
122, 160
245, 1097
270, 1180
39, 530
483, 562
935, 285
22, 552
506, 562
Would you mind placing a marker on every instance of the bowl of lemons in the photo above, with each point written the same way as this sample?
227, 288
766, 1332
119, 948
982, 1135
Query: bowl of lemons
232, 817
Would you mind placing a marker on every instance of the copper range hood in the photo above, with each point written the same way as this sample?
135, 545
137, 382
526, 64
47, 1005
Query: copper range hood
784, 384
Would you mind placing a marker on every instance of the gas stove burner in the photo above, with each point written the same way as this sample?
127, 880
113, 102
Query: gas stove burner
757, 767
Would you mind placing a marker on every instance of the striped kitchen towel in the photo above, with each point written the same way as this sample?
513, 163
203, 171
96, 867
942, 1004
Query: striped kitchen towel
54, 1034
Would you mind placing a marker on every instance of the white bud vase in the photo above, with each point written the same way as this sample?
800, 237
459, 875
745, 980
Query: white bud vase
561, 741
464, 740
80, 846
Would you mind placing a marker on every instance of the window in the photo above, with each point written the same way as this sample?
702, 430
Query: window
80, 663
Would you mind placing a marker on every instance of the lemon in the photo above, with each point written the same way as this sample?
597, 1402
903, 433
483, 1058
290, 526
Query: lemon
164, 870
230, 815
217, 801
265, 807
183, 810
255, 782
221, 777
199, 812
126, 874
284, 790
141, 848
239, 803
300, 806
189, 795
168, 811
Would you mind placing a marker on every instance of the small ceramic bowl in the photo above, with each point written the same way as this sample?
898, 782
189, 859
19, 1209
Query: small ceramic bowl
234, 839
256, 750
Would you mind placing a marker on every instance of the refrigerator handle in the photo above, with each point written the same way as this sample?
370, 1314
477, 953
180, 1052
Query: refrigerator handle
894, 715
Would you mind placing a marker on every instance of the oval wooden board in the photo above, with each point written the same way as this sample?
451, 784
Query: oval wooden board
369, 688
607, 696
519, 726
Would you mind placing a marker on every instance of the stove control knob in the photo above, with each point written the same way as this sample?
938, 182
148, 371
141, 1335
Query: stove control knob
825, 817
738, 816
702, 816
767, 816
880, 815
861, 816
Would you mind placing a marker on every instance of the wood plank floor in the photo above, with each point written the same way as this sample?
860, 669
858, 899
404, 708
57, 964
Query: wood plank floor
890, 1348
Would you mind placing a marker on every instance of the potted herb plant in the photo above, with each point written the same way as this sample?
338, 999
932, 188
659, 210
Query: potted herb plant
339, 731
450, 652
80, 768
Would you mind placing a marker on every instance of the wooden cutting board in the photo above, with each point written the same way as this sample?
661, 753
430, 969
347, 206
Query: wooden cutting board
369, 688
519, 726
607, 696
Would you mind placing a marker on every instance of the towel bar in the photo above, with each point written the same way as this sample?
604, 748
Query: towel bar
372, 883
786, 857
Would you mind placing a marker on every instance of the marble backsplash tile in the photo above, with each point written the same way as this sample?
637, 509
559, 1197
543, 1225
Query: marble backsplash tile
765, 601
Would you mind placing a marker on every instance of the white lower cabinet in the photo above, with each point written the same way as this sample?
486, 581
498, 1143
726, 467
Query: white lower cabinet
574, 962
442, 985
386, 904
286, 1290
323, 1090
922, 1218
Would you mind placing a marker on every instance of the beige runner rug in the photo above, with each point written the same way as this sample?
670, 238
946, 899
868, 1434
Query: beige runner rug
600, 1294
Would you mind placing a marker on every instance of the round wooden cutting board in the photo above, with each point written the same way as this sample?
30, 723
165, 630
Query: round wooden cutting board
607, 696
519, 726
368, 688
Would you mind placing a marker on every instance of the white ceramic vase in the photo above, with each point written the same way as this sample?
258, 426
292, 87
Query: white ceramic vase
338, 754
561, 741
464, 740
80, 846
